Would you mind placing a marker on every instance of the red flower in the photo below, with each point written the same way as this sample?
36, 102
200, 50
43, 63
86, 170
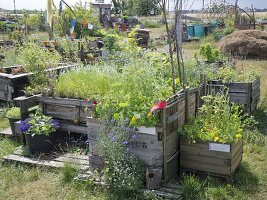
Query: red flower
94, 102
158, 106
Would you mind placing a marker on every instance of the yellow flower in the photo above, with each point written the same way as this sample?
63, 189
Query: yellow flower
216, 139
149, 114
238, 136
133, 120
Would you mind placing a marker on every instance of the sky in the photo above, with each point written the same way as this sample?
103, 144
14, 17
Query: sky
41, 4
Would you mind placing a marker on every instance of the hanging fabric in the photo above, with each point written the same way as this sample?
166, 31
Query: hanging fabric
72, 26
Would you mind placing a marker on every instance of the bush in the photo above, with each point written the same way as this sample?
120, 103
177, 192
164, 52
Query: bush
123, 169
13, 113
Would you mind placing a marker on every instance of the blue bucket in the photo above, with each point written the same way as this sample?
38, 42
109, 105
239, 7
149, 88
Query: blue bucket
199, 30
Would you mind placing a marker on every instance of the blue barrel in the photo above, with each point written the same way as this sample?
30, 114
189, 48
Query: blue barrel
190, 31
199, 30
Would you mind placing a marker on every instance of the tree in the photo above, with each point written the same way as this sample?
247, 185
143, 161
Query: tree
144, 7
34, 21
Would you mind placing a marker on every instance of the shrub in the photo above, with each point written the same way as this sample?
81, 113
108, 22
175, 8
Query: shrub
13, 113
210, 54
123, 170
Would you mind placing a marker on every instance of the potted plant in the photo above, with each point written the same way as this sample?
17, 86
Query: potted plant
13, 116
39, 132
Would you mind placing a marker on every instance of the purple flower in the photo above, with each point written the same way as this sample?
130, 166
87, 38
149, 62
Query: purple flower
125, 143
25, 125
56, 124
134, 136
113, 139
136, 129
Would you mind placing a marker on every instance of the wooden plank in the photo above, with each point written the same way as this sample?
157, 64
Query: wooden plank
192, 165
7, 132
203, 152
205, 159
167, 195
73, 128
67, 102
235, 147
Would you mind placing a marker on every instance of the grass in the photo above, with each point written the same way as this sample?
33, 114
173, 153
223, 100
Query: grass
250, 181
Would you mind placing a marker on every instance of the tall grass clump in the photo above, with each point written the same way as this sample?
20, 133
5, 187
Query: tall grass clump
193, 188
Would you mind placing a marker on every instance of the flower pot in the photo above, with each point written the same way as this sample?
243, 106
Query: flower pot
12, 124
40, 143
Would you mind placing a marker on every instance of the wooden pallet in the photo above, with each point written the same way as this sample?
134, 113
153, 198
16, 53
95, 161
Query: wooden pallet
6, 132
55, 161
168, 190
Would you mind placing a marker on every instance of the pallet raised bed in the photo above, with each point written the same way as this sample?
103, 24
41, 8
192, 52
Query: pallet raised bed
158, 146
246, 94
11, 86
211, 158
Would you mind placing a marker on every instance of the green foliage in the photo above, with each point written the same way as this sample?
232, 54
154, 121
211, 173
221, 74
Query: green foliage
111, 42
218, 121
38, 60
34, 21
13, 113
81, 14
193, 188
125, 88
144, 7
123, 170
210, 54
69, 172
229, 75
68, 50
39, 124
151, 24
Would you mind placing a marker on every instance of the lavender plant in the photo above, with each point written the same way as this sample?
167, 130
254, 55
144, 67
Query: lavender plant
123, 170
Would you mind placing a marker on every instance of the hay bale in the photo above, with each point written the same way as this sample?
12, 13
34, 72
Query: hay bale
246, 43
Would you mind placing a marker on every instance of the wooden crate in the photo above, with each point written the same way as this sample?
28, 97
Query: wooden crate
246, 94
214, 158
11, 86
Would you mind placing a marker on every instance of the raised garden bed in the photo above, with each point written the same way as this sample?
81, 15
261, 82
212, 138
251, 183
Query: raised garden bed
247, 94
158, 146
11, 86
211, 157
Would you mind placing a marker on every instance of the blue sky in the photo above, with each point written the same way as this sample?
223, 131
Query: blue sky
41, 4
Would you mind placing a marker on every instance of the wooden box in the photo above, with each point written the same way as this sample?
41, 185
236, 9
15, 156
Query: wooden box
11, 86
210, 157
247, 94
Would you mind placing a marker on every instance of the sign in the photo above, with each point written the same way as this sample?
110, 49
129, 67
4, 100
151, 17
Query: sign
219, 147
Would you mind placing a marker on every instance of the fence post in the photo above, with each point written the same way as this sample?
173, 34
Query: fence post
186, 105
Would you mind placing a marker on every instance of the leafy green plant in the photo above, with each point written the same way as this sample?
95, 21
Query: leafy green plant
13, 113
123, 170
111, 42
122, 90
193, 188
228, 75
39, 61
39, 124
210, 54
69, 172
218, 121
